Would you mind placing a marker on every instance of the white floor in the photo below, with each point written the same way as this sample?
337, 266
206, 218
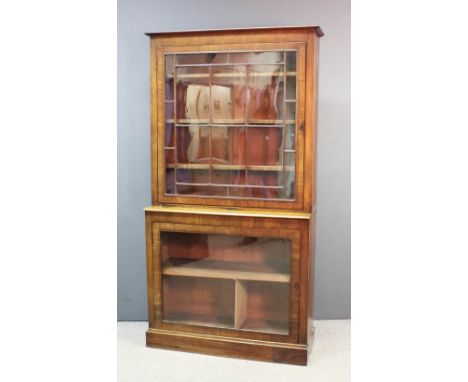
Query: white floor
329, 361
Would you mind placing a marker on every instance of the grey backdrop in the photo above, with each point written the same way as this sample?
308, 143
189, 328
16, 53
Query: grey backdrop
332, 286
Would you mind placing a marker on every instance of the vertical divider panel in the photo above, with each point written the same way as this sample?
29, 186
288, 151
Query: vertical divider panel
240, 308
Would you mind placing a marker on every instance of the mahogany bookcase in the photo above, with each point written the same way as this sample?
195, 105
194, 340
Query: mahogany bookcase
230, 233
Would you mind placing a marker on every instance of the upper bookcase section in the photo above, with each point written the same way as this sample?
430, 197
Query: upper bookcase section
233, 117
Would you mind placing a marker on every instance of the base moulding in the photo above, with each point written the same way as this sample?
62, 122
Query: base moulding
295, 354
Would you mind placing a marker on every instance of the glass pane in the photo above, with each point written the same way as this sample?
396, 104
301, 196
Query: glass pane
291, 61
289, 174
268, 307
265, 84
221, 145
193, 176
238, 145
169, 135
169, 77
290, 137
256, 57
196, 182
170, 181
220, 177
291, 87
228, 94
201, 190
169, 156
264, 184
193, 144
234, 282
201, 58
231, 124
290, 112
193, 94
237, 179
263, 145
227, 146
198, 301
169, 110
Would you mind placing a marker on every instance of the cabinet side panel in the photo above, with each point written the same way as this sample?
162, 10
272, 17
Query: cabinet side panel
149, 268
154, 120
304, 298
315, 40
311, 267
310, 123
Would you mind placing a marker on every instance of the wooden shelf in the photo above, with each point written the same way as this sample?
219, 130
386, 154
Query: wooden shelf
226, 270
218, 322
235, 122
259, 326
233, 74
228, 167
272, 121
227, 121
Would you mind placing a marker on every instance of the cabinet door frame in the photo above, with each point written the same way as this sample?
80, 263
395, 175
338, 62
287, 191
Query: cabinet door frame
302, 182
155, 298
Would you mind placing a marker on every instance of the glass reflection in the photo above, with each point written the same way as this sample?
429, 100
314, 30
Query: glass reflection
193, 144
228, 94
193, 95
265, 94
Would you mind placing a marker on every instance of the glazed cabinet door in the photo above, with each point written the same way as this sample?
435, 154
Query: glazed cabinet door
230, 125
230, 281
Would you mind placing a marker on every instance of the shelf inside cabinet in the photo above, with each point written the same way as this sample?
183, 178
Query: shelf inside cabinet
225, 270
229, 74
228, 167
219, 322
234, 122
259, 326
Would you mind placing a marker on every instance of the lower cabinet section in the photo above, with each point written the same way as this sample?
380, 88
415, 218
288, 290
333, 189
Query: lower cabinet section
226, 281
229, 285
